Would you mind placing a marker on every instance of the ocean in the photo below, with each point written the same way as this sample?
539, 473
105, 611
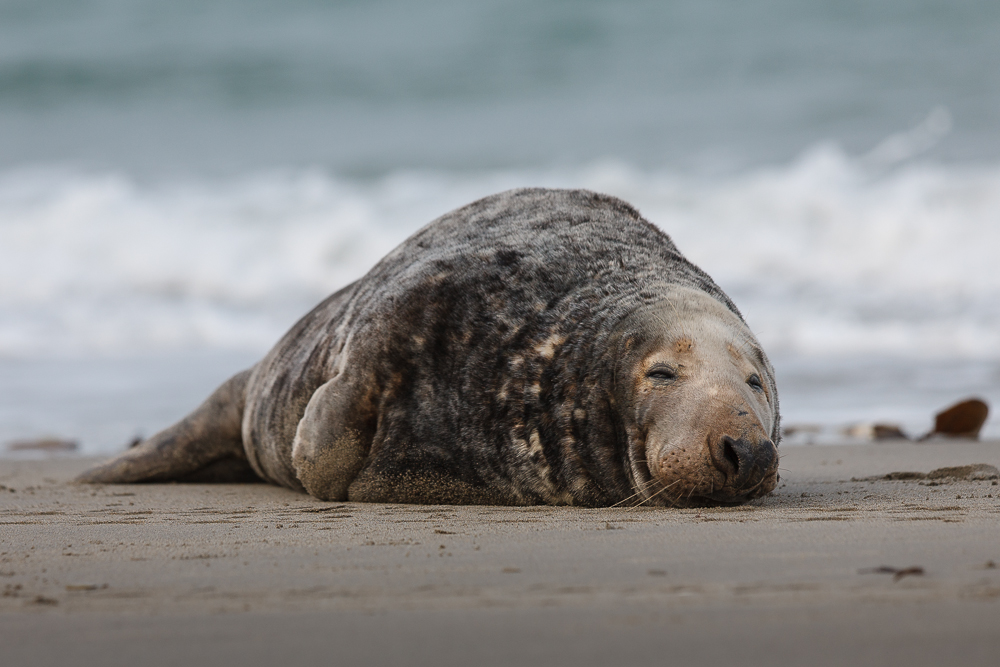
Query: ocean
179, 182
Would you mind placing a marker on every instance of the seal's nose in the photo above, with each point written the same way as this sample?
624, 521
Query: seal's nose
742, 462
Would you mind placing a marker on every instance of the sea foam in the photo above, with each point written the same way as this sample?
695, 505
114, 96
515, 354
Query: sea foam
828, 255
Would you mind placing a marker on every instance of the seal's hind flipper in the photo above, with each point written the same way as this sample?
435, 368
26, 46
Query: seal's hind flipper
213, 432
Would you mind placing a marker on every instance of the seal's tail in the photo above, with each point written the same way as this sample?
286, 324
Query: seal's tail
209, 440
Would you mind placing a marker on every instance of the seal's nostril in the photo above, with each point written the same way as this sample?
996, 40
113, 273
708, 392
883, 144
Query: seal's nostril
729, 452
744, 464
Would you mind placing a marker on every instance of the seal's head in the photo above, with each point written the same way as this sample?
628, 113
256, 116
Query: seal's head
698, 404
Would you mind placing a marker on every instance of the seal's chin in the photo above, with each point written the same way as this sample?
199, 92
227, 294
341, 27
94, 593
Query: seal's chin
738, 497
710, 496
720, 498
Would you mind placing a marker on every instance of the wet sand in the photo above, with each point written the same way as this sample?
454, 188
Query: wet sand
255, 574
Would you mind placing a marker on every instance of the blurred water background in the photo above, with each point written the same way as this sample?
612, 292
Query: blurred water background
180, 181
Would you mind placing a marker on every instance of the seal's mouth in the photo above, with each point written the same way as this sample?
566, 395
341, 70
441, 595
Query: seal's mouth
727, 497
718, 498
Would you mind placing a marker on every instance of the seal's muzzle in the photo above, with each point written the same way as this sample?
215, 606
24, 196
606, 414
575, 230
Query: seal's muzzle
745, 464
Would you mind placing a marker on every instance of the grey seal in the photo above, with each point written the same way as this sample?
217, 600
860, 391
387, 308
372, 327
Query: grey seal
534, 347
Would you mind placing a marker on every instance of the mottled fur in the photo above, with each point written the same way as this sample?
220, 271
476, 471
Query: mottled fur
476, 363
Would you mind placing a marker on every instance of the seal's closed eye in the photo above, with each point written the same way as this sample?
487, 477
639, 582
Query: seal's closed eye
662, 373
755, 383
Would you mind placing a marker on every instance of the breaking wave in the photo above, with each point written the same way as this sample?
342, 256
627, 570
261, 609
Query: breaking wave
829, 255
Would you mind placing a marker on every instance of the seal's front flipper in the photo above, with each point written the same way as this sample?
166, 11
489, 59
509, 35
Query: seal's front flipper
210, 434
333, 438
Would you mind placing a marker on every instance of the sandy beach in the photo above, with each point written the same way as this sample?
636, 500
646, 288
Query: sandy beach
181, 183
253, 574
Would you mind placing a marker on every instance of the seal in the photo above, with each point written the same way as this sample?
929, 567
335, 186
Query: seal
534, 347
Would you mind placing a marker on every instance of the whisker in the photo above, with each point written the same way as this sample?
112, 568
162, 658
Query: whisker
755, 487
643, 487
655, 494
